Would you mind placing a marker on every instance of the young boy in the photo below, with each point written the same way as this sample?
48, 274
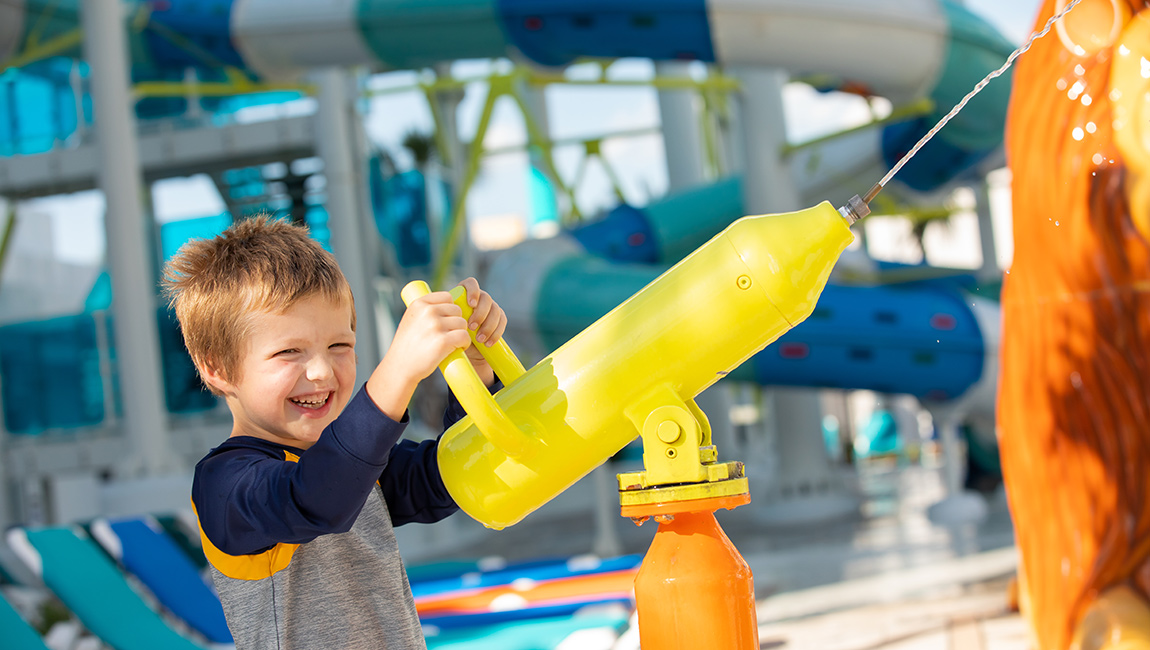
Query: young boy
296, 508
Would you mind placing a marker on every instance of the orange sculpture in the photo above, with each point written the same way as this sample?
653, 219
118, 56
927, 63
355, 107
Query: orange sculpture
1074, 396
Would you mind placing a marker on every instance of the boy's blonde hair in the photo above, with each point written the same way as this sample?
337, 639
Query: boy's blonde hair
258, 264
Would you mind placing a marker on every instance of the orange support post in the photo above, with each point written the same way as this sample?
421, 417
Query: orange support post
694, 591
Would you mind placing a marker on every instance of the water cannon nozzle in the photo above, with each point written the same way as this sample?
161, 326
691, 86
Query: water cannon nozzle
855, 209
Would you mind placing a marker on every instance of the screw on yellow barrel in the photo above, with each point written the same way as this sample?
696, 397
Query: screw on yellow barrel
678, 335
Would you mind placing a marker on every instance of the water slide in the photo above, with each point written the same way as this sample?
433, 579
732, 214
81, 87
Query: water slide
900, 49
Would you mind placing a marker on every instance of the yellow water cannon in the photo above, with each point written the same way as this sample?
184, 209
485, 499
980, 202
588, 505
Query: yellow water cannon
636, 371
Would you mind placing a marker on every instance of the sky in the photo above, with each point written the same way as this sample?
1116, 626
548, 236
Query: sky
501, 190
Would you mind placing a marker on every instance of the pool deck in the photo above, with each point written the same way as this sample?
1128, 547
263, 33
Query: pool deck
884, 578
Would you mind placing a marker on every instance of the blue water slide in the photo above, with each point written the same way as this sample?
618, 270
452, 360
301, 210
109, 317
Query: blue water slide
921, 48
921, 340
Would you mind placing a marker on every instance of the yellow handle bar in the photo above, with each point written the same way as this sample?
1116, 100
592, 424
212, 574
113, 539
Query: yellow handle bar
465, 383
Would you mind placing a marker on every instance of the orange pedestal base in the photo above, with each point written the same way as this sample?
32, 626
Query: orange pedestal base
694, 590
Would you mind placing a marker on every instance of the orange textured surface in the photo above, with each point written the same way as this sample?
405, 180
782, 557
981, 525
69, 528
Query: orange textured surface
1074, 395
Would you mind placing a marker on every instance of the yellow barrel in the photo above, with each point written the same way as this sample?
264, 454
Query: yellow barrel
695, 323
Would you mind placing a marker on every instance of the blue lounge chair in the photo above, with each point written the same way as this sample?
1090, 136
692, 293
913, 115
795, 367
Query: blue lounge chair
90, 585
142, 547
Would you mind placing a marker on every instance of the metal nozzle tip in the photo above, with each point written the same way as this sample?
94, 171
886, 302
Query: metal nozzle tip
855, 209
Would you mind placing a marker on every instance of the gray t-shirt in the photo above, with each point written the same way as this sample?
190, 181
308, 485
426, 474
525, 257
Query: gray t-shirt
345, 590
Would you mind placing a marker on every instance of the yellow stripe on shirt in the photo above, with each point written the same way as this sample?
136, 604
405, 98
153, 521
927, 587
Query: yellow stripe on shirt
256, 566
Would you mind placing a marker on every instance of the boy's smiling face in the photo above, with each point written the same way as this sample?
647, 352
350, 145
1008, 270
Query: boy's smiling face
297, 373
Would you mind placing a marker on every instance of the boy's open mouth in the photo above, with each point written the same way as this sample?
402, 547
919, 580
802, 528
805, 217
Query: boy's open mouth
312, 401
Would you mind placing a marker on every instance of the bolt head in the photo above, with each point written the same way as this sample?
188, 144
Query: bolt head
669, 431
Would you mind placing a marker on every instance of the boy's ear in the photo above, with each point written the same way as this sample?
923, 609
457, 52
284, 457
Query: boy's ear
214, 377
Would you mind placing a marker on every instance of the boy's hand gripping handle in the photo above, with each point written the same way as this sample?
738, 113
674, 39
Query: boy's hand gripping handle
465, 383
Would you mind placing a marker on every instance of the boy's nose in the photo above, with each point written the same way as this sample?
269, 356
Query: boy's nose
319, 368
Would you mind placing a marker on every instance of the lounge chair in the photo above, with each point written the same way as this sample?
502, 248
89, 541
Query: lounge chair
18, 634
90, 585
142, 547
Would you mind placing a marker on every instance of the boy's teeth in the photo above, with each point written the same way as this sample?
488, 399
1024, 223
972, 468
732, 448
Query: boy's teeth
314, 402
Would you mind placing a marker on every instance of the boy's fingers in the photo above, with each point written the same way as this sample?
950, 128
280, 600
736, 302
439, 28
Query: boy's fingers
456, 324
472, 286
437, 298
482, 310
459, 339
440, 310
493, 328
449, 318
502, 329
442, 317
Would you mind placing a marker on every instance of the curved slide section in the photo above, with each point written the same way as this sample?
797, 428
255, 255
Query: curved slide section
894, 48
922, 340
901, 49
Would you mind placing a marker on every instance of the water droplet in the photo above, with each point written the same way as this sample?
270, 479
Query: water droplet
1078, 133
1056, 223
1091, 127
1097, 159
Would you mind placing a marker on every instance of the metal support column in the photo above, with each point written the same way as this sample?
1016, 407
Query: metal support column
769, 188
960, 506
455, 160
681, 127
131, 259
543, 216
989, 267
767, 185
347, 205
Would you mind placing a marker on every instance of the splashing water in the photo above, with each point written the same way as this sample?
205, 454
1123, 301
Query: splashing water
958, 107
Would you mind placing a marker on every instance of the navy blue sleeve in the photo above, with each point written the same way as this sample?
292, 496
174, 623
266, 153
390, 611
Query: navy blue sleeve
454, 411
412, 485
248, 500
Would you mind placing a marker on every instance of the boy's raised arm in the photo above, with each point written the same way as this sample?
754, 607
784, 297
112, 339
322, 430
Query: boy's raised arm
249, 501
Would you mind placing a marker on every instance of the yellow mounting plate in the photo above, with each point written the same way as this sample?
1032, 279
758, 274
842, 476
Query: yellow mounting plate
687, 492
